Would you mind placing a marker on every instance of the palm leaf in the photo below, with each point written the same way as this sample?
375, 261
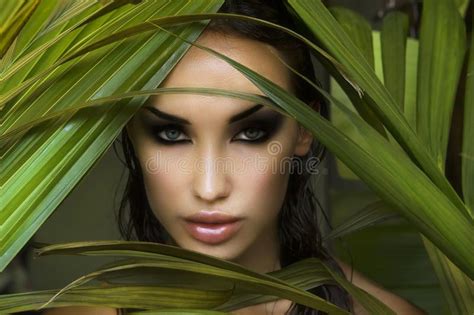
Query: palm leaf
129, 296
462, 6
366, 154
308, 272
40, 169
305, 275
82, 46
323, 25
36, 51
458, 289
384, 167
177, 311
393, 38
17, 17
468, 134
188, 270
371, 214
18, 128
441, 56
456, 285
440, 60
361, 34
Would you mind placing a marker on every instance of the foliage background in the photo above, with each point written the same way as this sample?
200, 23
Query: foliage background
404, 269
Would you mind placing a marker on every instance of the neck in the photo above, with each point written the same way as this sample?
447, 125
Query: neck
264, 255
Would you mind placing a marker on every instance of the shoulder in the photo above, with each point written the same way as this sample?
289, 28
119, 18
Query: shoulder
81, 310
395, 302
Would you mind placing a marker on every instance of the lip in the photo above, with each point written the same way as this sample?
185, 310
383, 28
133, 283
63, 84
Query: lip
212, 227
211, 217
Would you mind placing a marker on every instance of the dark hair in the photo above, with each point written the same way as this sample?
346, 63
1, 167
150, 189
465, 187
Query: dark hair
298, 220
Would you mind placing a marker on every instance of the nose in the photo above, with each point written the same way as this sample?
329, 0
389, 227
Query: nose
211, 180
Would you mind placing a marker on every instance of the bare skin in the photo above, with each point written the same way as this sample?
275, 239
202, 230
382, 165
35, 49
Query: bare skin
255, 196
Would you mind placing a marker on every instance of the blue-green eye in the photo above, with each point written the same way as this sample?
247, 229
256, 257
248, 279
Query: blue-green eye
169, 134
253, 134
173, 134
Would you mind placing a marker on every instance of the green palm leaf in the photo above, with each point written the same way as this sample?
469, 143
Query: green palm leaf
324, 26
462, 6
72, 68
371, 214
441, 55
393, 39
39, 170
307, 273
360, 32
384, 167
468, 134
186, 274
457, 286
129, 296
20, 127
15, 16
177, 311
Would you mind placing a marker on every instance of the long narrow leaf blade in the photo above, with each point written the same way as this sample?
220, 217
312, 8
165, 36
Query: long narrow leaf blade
118, 296
441, 55
360, 33
467, 155
414, 197
394, 37
40, 169
457, 288
19, 127
178, 311
462, 6
235, 275
323, 25
306, 273
9, 31
371, 214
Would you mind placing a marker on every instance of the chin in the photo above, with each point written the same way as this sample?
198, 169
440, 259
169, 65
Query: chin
226, 251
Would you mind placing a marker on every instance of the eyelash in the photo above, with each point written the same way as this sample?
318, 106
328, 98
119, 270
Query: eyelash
158, 130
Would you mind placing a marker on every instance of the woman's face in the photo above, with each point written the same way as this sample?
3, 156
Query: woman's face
214, 153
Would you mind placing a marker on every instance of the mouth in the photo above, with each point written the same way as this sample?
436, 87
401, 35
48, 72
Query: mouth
212, 227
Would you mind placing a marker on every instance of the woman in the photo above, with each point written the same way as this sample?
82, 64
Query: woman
202, 172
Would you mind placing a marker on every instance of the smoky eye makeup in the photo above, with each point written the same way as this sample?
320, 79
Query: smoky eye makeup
255, 129
269, 122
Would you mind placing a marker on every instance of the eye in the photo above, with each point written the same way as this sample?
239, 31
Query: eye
254, 135
169, 134
172, 134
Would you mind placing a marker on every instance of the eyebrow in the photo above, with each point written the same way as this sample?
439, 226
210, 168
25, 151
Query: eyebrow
183, 121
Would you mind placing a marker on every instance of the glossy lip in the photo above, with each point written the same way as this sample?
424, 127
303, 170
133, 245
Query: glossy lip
212, 217
212, 227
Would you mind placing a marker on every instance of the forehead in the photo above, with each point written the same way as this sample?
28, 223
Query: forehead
199, 68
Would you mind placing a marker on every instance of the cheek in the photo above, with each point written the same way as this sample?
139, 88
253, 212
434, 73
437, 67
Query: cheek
267, 174
265, 182
163, 179
267, 190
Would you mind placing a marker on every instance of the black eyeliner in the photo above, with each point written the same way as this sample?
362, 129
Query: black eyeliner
154, 129
268, 122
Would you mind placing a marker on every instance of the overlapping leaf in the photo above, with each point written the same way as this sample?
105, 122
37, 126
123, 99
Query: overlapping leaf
185, 275
393, 39
385, 168
324, 26
39, 170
